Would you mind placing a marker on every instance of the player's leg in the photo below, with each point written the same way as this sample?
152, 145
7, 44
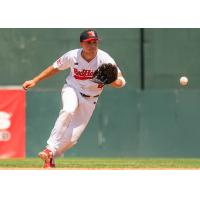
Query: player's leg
70, 104
78, 124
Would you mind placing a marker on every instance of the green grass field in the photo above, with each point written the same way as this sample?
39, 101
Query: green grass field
105, 163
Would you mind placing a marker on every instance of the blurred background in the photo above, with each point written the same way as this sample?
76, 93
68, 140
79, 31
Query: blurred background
153, 116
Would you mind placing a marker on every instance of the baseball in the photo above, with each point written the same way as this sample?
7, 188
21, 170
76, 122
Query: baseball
183, 80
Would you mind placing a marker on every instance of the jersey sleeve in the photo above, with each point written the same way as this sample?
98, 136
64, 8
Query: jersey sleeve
108, 59
64, 62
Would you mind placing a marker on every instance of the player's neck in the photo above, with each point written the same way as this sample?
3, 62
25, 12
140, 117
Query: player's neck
88, 56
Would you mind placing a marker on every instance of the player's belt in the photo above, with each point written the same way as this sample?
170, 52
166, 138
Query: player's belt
84, 95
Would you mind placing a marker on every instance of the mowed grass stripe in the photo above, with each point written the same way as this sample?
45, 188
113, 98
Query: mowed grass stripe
156, 163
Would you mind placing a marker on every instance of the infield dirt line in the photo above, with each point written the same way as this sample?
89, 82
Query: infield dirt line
57, 169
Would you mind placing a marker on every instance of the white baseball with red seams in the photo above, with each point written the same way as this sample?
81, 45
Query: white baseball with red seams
183, 80
77, 110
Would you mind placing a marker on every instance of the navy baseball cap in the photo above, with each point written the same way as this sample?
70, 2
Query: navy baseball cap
88, 35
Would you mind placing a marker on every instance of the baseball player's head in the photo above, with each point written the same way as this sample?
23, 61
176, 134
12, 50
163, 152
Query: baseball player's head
89, 41
89, 35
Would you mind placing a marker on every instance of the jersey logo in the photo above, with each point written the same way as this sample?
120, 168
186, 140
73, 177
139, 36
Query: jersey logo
59, 62
83, 74
91, 34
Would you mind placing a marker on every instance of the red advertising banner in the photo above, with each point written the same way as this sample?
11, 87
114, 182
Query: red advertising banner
12, 123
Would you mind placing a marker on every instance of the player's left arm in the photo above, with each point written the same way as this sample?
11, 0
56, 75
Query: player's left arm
119, 82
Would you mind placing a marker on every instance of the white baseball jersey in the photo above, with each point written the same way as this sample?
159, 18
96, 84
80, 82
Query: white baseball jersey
76, 110
82, 71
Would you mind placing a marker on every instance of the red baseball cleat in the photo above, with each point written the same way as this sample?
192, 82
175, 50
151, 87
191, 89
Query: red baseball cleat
50, 164
47, 156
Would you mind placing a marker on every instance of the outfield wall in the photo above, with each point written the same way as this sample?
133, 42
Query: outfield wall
125, 123
25, 52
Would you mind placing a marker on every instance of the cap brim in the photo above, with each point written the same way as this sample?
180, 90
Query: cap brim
90, 39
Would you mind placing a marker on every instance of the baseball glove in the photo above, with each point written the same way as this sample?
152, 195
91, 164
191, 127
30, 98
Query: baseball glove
105, 74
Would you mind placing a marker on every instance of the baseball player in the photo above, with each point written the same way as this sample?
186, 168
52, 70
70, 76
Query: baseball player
79, 93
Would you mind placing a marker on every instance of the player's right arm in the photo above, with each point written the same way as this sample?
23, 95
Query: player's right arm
64, 62
49, 71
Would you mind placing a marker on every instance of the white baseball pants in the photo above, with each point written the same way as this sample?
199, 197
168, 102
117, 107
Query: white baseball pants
72, 120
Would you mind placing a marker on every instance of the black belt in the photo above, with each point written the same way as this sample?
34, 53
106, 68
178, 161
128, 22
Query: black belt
84, 95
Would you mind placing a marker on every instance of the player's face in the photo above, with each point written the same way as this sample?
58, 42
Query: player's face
90, 46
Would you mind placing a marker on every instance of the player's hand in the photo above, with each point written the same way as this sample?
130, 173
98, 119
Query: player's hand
119, 83
28, 84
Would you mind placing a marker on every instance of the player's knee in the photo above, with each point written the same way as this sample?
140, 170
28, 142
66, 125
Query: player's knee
70, 108
65, 116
